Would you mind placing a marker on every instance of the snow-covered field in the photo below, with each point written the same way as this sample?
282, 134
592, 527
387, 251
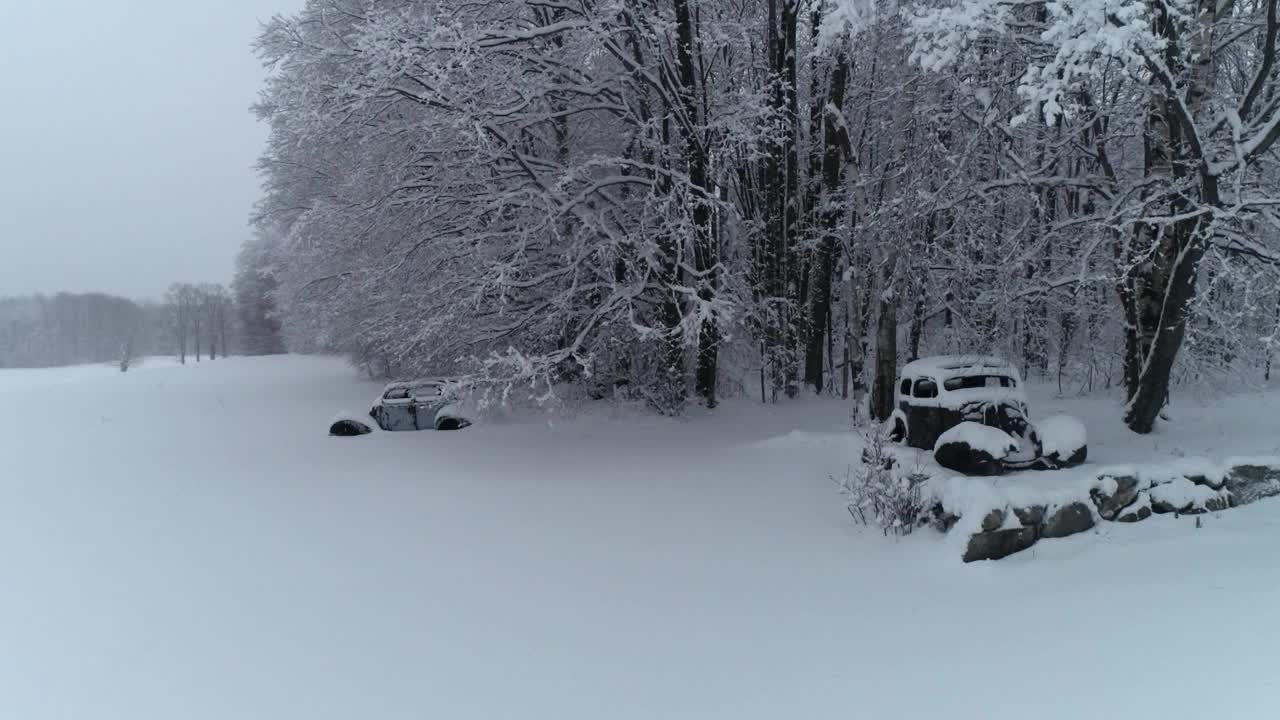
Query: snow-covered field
186, 543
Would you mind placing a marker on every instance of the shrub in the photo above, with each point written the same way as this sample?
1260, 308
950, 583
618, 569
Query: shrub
878, 493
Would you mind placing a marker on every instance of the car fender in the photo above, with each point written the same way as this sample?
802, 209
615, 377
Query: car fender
451, 412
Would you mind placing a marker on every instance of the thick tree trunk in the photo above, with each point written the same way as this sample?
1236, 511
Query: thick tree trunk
916, 333
1163, 310
882, 387
780, 280
859, 316
886, 359
1266, 373
1165, 284
672, 386
795, 276
705, 251
819, 313
836, 152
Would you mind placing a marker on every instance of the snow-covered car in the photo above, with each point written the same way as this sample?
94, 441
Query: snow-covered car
418, 405
971, 412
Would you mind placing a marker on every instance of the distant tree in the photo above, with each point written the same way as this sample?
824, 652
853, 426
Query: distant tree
211, 306
182, 301
221, 320
254, 290
68, 328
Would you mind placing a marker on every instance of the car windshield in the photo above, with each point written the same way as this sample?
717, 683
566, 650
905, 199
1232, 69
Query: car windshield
404, 392
968, 382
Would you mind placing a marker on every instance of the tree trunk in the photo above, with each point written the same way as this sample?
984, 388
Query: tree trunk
1165, 285
836, 151
705, 251
916, 334
886, 359
882, 386
795, 277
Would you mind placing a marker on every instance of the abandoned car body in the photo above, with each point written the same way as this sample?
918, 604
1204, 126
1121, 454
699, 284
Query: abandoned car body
418, 405
939, 397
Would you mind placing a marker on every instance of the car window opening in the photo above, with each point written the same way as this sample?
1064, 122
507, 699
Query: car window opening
925, 388
969, 382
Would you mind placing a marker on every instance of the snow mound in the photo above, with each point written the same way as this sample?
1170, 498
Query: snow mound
798, 439
993, 441
1061, 435
1181, 493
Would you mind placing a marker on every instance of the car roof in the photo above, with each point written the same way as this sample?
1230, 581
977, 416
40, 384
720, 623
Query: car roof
944, 366
422, 382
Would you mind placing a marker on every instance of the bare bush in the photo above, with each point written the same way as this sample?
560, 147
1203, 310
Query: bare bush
879, 493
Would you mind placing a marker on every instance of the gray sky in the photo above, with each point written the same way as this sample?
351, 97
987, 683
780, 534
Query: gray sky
126, 141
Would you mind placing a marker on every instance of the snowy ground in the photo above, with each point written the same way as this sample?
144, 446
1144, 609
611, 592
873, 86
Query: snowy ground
186, 543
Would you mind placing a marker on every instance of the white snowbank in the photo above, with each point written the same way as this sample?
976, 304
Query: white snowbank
993, 441
1061, 435
1259, 460
805, 439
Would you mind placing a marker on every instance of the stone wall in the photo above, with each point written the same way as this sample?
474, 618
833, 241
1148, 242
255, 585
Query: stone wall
1001, 520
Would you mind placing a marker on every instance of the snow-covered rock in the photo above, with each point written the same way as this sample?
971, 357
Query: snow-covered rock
1069, 519
984, 513
1181, 495
996, 544
1140, 510
1252, 479
1113, 494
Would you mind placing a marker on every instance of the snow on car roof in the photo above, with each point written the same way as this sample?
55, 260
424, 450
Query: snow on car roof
940, 366
423, 383
412, 383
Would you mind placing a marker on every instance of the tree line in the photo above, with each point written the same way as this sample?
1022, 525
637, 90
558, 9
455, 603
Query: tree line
200, 321
70, 329
679, 199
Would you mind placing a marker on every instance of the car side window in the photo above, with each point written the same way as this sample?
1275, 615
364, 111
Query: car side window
905, 390
925, 388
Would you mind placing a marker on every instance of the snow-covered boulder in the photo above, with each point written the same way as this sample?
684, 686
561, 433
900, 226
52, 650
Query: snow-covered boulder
1137, 512
1114, 493
1063, 439
1183, 496
974, 449
996, 544
1252, 479
1069, 519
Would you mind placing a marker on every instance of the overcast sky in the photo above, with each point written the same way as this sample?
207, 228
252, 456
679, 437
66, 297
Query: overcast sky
126, 141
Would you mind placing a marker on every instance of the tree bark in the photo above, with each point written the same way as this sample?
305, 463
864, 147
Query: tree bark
836, 153
705, 251
882, 388
1165, 284
886, 361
